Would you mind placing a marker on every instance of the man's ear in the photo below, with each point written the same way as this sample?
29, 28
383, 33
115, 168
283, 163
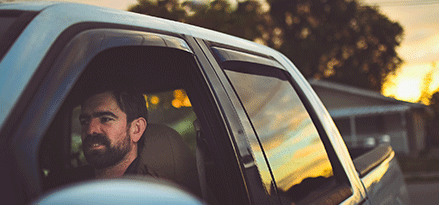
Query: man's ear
137, 128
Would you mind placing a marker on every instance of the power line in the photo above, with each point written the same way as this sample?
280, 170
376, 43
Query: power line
404, 3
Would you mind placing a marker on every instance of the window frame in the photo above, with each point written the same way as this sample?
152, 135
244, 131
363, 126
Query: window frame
46, 92
225, 53
241, 131
29, 128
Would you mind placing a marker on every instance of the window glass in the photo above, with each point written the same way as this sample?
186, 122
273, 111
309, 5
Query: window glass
5, 23
293, 148
172, 108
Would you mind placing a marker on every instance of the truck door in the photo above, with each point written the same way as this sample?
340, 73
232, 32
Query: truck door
294, 158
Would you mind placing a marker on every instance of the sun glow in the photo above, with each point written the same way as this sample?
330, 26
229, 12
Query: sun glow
408, 89
408, 85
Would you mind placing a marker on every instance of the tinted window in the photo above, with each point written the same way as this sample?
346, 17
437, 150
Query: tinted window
292, 145
12, 23
5, 23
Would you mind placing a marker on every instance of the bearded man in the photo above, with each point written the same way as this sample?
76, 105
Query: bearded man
112, 126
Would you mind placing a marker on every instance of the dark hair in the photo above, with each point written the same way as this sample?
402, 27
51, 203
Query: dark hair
129, 100
133, 104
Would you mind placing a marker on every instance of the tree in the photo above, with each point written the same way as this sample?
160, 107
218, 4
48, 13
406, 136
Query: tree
337, 40
426, 95
433, 124
434, 103
247, 20
168, 9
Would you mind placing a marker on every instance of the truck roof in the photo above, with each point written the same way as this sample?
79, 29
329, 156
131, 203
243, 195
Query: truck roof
54, 18
60, 15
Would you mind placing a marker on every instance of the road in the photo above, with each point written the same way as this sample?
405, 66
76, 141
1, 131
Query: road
423, 193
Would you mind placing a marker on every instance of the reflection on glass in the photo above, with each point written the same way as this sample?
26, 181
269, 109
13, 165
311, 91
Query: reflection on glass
288, 136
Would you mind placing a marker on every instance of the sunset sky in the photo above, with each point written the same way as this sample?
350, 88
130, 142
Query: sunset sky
419, 49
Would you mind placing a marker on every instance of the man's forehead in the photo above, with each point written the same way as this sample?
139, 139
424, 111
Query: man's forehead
105, 100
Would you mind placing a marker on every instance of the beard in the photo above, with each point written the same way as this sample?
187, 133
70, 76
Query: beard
107, 156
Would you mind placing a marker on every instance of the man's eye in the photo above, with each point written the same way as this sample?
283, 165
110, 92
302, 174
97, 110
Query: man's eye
105, 119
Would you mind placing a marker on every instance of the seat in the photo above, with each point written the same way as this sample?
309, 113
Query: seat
167, 155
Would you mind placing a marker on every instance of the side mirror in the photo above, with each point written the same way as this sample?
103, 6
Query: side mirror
131, 190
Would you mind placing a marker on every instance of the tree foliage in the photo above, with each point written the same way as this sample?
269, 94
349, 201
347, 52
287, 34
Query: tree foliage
434, 97
434, 103
338, 40
246, 20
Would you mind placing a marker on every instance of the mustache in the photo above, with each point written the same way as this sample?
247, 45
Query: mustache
91, 139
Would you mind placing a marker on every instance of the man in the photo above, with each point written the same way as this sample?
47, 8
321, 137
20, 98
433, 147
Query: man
112, 125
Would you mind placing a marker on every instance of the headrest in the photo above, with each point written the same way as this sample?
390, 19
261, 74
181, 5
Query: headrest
166, 154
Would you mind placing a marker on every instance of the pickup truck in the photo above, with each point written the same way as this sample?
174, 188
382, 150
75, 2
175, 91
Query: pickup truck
256, 130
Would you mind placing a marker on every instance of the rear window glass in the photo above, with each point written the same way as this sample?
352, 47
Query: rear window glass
5, 23
292, 144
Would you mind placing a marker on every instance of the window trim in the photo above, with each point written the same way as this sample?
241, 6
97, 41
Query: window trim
227, 55
28, 128
242, 132
229, 129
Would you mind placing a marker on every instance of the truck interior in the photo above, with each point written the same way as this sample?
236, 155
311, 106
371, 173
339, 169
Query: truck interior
165, 78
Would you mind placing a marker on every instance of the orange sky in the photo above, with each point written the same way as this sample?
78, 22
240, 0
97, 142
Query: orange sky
419, 49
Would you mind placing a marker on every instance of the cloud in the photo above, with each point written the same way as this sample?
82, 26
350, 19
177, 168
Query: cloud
423, 47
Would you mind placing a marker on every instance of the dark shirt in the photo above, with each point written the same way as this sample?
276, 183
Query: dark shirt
79, 174
87, 172
132, 169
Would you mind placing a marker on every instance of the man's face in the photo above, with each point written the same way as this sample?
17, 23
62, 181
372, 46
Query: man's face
104, 131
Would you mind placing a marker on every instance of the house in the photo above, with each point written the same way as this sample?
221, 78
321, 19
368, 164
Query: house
367, 118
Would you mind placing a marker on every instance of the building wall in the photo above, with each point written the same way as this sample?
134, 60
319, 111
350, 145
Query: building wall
376, 126
407, 129
419, 131
395, 127
336, 100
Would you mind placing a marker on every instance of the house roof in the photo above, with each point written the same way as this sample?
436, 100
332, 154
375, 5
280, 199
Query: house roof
395, 106
372, 110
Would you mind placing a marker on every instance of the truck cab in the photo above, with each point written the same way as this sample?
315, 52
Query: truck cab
257, 132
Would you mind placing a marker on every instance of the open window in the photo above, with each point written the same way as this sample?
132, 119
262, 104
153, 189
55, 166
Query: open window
166, 72
162, 68
171, 108
162, 75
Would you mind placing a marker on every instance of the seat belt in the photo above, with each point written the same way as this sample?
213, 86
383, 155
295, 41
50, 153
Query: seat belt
200, 153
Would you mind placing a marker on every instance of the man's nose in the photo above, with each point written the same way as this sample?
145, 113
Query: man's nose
93, 127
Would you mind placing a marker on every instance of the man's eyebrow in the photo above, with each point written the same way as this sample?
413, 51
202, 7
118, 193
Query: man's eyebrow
98, 114
103, 113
